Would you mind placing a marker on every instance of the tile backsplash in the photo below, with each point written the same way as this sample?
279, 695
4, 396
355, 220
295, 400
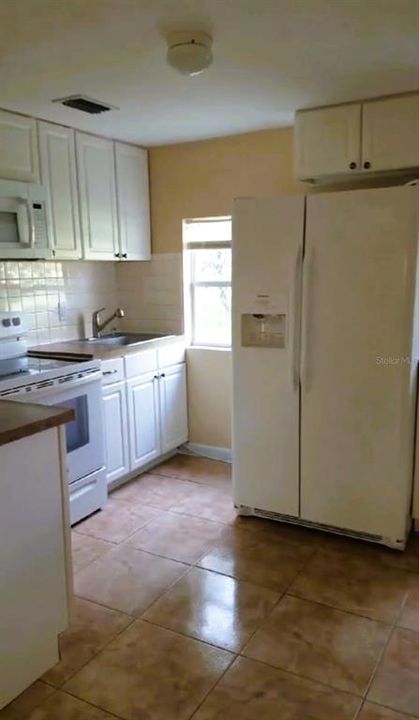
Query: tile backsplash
151, 293
57, 298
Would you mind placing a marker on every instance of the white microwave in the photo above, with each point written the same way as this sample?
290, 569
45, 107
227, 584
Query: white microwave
23, 221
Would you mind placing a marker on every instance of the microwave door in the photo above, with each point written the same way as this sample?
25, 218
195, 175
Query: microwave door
17, 231
23, 221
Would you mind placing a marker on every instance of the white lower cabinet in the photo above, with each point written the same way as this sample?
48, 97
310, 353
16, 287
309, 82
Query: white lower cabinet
143, 419
173, 413
144, 409
116, 431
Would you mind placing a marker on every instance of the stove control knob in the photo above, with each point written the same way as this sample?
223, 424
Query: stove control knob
6, 322
16, 321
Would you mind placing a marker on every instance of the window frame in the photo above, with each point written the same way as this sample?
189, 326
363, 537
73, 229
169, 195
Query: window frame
189, 249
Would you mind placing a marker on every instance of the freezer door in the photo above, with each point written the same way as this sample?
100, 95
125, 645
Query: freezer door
267, 258
358, 373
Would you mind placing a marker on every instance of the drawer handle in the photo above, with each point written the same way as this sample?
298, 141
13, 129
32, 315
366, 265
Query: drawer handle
162, 374
109, 372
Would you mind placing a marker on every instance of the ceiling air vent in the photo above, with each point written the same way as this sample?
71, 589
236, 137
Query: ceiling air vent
84, 104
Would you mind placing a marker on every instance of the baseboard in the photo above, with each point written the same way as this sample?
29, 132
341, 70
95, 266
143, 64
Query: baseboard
208, 451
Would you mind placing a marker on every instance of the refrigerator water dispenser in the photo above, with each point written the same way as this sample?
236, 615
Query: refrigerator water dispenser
263, 330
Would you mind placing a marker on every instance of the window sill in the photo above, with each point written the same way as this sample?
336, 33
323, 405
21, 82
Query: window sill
215, 348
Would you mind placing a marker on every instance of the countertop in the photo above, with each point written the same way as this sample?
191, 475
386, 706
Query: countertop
21, 419
88, 351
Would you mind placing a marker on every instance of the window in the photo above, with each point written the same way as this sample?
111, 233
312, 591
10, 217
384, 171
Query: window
207, 273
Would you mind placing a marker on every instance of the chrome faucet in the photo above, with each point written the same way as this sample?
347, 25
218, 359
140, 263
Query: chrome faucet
98, 326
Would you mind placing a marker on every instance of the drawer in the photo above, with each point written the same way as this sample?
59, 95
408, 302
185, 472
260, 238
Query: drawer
171, 354
141, 362
112, 370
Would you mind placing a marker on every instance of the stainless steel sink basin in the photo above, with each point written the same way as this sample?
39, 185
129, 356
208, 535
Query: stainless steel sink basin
123, 339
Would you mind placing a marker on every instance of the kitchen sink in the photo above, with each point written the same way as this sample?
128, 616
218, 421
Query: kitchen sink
123, 339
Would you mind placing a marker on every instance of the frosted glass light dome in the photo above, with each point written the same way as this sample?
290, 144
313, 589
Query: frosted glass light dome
189, 53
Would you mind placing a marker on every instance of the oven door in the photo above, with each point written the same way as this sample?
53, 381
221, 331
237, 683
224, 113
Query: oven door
84, 434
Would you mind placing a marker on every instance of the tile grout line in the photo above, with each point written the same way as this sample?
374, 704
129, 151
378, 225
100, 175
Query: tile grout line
187, 568
96, 707
306, 678
282, 595
38, 704
212, 688
71, 676
381, 655
340, 609
153, 623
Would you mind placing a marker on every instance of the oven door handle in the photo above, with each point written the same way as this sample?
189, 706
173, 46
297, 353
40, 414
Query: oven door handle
55, 389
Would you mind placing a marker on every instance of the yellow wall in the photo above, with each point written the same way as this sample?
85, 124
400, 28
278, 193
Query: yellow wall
209, 392
200, 179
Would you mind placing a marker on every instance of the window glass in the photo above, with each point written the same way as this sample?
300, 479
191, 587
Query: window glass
212, 265
211, 230
207, 278
212, 316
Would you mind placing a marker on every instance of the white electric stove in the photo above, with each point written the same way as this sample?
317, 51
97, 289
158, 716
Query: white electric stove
65, 383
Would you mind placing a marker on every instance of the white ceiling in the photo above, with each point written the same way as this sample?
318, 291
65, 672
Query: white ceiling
270, 58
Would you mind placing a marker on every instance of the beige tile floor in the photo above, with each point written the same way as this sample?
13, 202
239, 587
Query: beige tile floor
185, 611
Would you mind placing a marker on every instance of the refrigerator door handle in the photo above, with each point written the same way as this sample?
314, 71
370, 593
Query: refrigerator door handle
307, 275
296, 340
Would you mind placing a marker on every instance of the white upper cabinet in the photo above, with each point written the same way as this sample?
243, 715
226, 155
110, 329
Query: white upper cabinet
327, 141
58, 173
133, 202
97, 194
358, 138
390, 134
18, 148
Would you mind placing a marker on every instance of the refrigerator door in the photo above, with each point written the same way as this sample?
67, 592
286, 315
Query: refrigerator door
358, 370
267, 264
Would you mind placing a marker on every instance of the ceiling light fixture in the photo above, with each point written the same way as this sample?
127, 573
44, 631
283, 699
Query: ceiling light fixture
189, 52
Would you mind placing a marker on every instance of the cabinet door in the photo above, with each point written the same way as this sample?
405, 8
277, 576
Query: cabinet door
96, 175
173, 411
18, 148
143, 420
133, 201
327, 141
58, 172
390, 133
116, 431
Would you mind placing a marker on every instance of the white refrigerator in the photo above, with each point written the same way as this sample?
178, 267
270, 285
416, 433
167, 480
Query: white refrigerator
325, 345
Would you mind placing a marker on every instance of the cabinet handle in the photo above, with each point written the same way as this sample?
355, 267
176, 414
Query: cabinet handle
162, 374
367, 165
352, 165
109, 372
117, 255
156, 377
124, 255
